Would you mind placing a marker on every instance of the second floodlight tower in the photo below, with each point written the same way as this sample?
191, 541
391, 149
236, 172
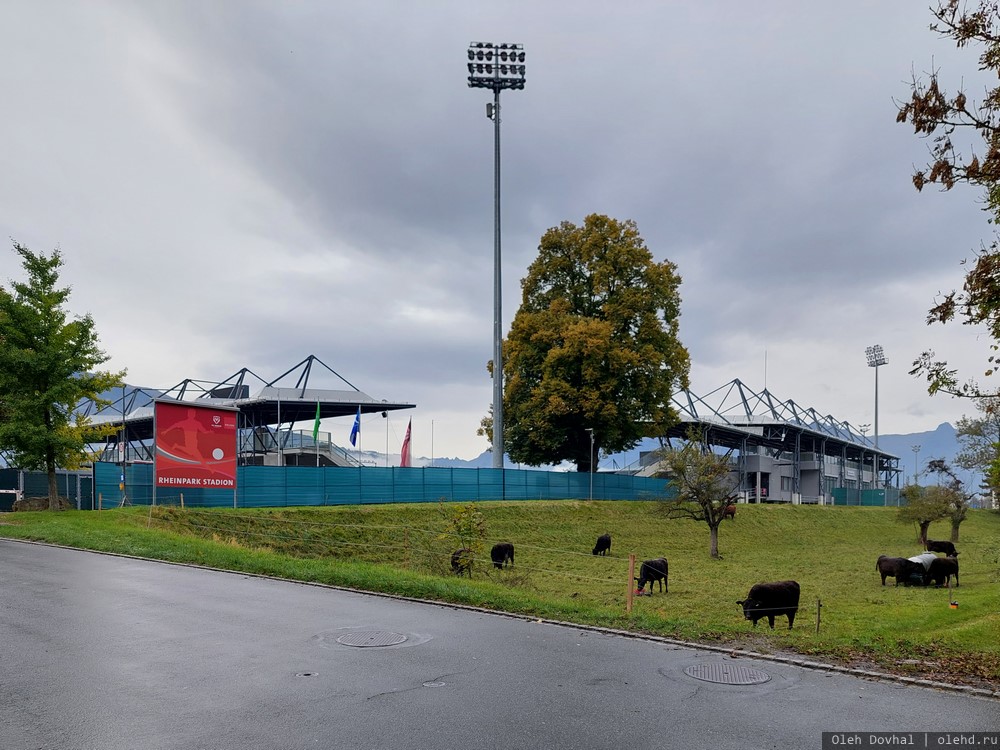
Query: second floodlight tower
496, 67
876, 358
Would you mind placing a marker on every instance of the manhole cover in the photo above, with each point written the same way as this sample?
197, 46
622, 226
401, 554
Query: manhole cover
727, 674
368, 638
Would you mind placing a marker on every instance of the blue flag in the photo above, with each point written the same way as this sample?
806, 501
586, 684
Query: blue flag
356, 429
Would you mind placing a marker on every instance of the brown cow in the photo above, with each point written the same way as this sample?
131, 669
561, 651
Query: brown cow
729, 512
502, 553
652, 571
903, 570
941, 571
771, 600
939, 546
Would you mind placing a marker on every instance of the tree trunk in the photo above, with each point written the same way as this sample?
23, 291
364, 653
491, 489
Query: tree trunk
924, 525
53, 490
954, 529
714, 536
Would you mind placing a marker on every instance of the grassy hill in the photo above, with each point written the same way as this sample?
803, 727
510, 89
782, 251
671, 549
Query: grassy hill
405, 549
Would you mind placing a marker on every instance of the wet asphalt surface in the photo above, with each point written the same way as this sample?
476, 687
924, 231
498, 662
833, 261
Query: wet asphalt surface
107, 653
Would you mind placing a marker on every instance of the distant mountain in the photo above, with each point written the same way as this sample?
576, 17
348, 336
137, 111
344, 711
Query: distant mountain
939, 443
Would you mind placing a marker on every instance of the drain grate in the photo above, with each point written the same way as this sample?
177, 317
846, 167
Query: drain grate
371, 638
727, 674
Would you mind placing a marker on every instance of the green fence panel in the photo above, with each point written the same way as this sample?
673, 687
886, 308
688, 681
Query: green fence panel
408, 486
343, 486
438, 483
306, 485
491, 484
262, 486
376, 485
275, 486
465, 484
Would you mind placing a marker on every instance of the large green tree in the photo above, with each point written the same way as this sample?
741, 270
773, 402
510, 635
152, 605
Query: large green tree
941, 117
593, 356
47, 367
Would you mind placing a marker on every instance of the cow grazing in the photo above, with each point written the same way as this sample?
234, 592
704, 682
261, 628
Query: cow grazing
652, 571
904, 571
502, 553
603, 545
947, 547
729, 512
461, 561
941, 571
771, 600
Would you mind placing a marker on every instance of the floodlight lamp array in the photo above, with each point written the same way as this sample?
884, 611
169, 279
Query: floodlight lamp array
876, 356
496, 66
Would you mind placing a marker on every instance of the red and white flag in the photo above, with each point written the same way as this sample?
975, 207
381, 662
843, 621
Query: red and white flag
404, 454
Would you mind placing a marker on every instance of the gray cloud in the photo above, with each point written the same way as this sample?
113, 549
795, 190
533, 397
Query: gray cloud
246, 183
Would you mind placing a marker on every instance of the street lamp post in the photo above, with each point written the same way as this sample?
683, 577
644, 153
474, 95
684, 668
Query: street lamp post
591, 431
496, 67
876, 358
863, 429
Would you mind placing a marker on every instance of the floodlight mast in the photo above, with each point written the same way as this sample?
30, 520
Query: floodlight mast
876, 358
496, 67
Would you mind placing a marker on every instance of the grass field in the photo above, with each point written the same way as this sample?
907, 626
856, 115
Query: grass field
404, 549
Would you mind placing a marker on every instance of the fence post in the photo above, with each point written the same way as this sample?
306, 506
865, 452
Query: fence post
819, 606
182, 501
100, 501
631, 582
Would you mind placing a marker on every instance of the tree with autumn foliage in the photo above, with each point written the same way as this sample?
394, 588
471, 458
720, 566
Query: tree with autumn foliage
939, 116
594, 346
47, 367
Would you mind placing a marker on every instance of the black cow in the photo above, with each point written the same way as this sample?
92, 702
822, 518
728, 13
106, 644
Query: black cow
771, 600
947, 547
904, 571
461, 561
502, 553
603, 545
941, 571
729, 512
652, 571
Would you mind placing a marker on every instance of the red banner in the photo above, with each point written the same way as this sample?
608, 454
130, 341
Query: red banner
195, 446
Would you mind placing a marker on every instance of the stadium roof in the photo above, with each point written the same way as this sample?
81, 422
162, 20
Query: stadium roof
734, 412
286, 399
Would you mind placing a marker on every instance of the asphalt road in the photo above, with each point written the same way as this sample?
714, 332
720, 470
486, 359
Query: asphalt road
108, 653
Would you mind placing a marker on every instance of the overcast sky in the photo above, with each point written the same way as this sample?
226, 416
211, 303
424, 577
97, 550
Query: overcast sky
240, 183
